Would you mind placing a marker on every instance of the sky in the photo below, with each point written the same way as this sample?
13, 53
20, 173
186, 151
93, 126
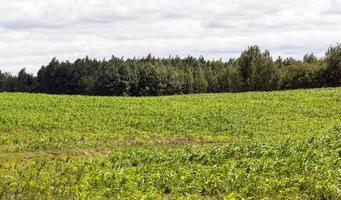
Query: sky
32, 32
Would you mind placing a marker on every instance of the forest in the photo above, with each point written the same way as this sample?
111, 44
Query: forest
254, 70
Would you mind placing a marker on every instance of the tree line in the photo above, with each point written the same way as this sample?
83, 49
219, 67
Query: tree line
254, 70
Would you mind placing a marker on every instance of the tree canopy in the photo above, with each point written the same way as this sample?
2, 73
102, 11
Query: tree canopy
254, 70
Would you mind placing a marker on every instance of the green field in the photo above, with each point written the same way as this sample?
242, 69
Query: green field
275, 145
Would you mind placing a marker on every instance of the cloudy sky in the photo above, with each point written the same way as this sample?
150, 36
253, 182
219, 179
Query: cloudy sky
34, 31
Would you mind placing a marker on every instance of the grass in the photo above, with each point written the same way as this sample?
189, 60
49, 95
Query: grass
275, 145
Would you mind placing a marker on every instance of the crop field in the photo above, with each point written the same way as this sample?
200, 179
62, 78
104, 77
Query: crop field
273, 145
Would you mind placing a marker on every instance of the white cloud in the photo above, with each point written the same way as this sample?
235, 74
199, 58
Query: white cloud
34, 31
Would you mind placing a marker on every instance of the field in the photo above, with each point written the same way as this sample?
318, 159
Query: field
274, 145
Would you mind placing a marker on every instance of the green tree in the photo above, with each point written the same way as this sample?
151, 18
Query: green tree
279, 62
333, 61
149, 81
173, 81
187, 86
301, 76
104, 85
10, 83
257, 70
291, 61
199, 80
25, 81
310, 59
2, 81
235, 80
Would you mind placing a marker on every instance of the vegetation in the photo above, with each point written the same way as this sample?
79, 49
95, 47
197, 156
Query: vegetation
278, 145
254, 70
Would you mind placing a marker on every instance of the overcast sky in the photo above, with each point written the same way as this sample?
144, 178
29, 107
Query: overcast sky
34, 31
